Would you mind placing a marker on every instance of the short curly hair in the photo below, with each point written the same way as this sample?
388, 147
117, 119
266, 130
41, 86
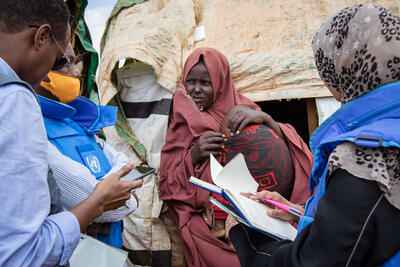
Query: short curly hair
16, 15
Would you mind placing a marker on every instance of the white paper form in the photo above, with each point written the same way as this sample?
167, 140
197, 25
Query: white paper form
235, 176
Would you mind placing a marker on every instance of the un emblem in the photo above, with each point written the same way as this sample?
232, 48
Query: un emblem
93, 163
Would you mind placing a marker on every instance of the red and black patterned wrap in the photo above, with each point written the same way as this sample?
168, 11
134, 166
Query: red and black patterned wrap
267, 158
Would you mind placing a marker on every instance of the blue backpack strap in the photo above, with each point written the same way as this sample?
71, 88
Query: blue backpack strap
312, 202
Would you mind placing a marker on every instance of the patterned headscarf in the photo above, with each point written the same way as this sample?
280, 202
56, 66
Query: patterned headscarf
356, 51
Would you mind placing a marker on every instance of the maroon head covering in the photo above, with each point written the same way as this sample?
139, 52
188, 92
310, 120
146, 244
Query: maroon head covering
189, 123
225, 94
185, 200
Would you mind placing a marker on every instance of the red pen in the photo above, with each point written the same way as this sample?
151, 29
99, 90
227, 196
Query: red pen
283, 207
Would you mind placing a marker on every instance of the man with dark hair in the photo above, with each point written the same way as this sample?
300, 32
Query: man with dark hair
37, 34
34, 35
16, 15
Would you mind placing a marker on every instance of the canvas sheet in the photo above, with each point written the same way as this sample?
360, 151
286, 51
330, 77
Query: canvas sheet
146, 106
267, 42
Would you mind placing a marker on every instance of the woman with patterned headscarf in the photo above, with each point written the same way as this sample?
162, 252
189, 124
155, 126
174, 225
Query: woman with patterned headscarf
206, 95
354, 217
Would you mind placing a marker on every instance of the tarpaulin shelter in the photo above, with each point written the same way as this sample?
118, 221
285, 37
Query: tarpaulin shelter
144, 47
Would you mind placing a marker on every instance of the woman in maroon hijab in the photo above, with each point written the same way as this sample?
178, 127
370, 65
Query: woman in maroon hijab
206, 94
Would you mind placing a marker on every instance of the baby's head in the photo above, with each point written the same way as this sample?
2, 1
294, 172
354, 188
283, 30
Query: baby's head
267, 157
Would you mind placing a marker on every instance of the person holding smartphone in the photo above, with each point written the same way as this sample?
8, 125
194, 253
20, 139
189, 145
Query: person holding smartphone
34, 36
77, 158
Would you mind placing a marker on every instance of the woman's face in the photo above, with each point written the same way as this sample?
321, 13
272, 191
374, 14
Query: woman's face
70, 69
198, 85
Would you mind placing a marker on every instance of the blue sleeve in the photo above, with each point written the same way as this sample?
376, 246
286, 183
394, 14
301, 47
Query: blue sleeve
28, 236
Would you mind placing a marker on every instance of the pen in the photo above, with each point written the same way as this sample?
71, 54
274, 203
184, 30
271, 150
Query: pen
283, 207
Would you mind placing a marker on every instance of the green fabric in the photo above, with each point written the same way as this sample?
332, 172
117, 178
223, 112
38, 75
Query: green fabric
120, 5
84, 38
82, 7
82, 33
77, 8
125, 131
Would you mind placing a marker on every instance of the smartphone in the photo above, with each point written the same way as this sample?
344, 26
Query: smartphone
138, 172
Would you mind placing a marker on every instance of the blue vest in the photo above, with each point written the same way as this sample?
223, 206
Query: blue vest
372, 120
71, 128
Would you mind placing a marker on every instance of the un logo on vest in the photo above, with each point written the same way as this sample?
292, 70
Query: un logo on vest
93, 163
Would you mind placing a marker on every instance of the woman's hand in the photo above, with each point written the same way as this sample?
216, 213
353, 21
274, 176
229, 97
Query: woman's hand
229, 223
274, 211
240, 116
211, 142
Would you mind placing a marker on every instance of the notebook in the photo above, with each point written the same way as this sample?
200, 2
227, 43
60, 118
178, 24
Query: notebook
229, 182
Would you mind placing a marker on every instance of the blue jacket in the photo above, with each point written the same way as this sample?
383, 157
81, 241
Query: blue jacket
372, 120
71, 128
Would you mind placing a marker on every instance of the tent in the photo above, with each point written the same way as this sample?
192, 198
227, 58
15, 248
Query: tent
144, 46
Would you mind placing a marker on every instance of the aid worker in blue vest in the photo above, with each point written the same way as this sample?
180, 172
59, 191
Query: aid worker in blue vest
354, 218
34, 35
77, 158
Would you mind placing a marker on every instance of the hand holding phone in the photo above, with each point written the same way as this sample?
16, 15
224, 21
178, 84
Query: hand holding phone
138, 172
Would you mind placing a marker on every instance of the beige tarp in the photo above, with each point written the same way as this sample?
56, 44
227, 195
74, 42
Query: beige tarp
267, 42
